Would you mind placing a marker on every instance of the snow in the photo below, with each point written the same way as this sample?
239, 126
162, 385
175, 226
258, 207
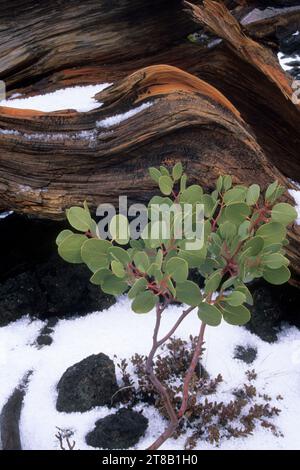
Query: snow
120, 332
257, 14
284, 61
296, 195
79, 98
3, 215
118, 118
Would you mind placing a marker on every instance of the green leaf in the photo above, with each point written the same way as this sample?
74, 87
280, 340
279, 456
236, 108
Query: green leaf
171, 287
219, 184
237, 212
140, 285
194, 258
164, 171
274, 260
236, 315
227, 230
63, 235
118, 269
153, 268
284, 213
271, 191
178, 269
159, 258
141, 261
183, 181
177, 171
94, 253
242, 288
79, 218
192, 194
188, 293
209, 205
113, 285
272, 232
99, 276
228, 283
144, 302
255, 244
253, 193
86, 207
209, 314
165, 184
236, 194
70, 248
119, 229
277, 276
155, 174
243, 230
227, 182
213, 282
119, 254
236, 298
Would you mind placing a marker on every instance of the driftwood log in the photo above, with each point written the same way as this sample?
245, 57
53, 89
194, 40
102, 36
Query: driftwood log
225, 108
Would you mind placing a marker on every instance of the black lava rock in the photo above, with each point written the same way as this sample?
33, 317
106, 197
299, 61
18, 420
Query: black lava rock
91, 382
272, 305
246, 354
44, 340
34, 280
118, 431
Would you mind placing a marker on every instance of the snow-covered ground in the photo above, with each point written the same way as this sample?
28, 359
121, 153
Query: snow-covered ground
79, 98
118, 331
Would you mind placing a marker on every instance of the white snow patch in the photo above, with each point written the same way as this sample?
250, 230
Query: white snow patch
79, 98
118, 118
296, 195
17, 355
3, 215
284, 60
118, 331
9, 132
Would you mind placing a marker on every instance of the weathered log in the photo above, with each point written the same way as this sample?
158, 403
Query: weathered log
253, 80
52, 160
39, 38
260, 102
49, 44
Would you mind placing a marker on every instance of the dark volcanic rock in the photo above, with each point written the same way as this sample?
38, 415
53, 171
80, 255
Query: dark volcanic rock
10, 418
246, 354
272, 305
34, 280
44, 340
91, 382
118, 431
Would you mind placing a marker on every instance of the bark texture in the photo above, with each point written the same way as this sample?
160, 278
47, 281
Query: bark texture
218, 106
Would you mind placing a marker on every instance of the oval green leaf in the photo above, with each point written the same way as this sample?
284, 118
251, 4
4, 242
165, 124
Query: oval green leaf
209, 314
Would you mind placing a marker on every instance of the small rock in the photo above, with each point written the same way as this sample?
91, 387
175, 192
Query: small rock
46, 330
52, 322
44, 340
120, 430
247, 354
91, 382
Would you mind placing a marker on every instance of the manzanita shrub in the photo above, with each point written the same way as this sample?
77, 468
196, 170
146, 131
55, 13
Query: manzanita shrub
244, 234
